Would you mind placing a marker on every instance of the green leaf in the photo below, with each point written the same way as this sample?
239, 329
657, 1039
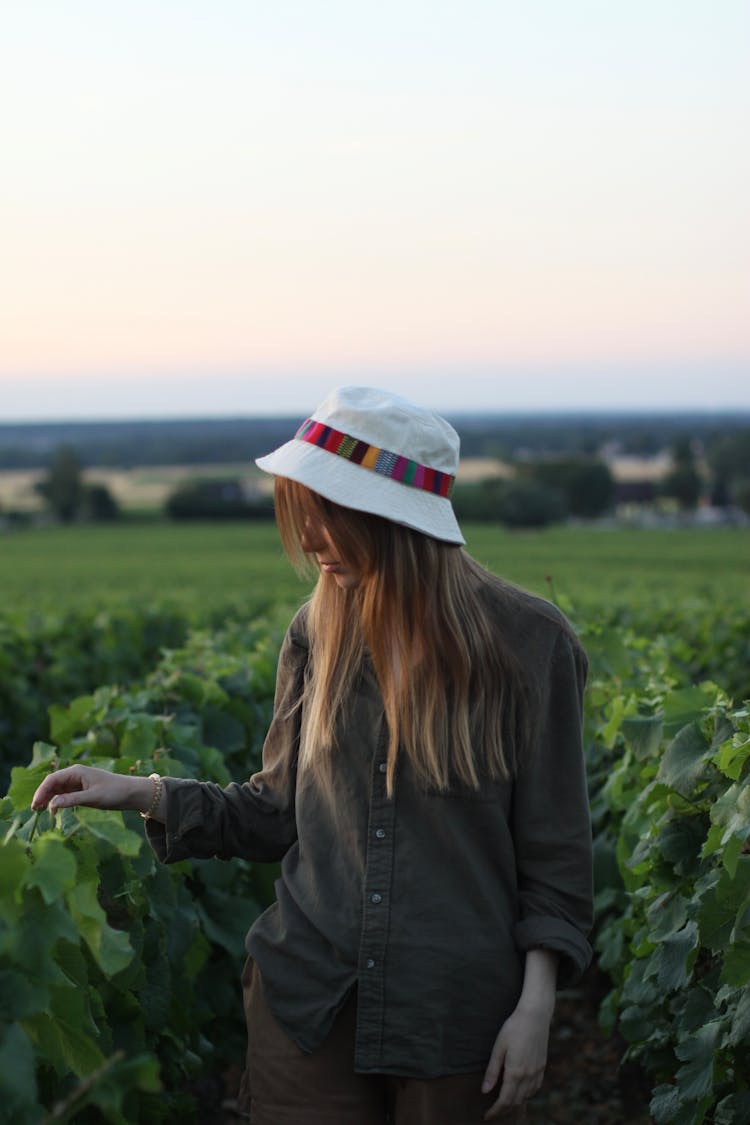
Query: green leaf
713, 842
226, 919
211, 766
34, 934
731, 811
155, 996
730, 855
53, 870
66, 722
639, 988
675, 957
736, 969
111, 948
59, 1037
644, 733
732, 756
666, 915
106, 824
44, 752
696, 1077
25, 782
686, 705
733, 1109
740, 1027
17, 1074
192, 688
224, 731
697, 1009
715, 920
636, 1023
684, 760
72, 960
606, 872
141, 736
609, 733
14, 864
665, 1102
116, 1079
680, 840
21, 996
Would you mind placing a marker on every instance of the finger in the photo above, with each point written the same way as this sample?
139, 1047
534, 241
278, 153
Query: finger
67, 801
60, 781
80, 790
497, 1111
509, 1094
494, 1067
524, 1091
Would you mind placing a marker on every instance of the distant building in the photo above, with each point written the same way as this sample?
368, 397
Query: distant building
637, 479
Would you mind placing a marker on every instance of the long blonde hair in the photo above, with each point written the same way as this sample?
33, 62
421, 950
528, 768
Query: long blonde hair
453, 693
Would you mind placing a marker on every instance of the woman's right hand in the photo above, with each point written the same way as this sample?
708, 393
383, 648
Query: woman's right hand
100, 789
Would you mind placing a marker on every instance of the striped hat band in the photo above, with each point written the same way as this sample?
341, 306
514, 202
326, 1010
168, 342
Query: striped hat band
382, 461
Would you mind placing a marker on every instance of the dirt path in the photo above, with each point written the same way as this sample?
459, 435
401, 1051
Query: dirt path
585, 1083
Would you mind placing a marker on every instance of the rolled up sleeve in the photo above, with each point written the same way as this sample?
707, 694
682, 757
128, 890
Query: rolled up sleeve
551, 822
255, 820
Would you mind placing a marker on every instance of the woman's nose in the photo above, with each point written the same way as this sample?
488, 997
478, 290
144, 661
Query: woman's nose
311, 538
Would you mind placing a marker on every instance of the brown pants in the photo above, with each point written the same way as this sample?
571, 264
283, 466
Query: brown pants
284, 1085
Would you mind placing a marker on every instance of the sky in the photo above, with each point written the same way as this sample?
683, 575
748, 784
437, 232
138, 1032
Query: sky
229, 208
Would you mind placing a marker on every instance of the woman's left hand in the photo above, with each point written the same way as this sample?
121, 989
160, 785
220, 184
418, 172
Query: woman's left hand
519, 1057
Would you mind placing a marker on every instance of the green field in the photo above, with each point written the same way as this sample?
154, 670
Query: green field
88, 916
206, 566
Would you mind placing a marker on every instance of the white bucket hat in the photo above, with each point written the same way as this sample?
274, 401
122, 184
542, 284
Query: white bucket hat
376, 452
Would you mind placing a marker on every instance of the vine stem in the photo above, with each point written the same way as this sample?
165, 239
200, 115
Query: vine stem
63, 1108
34, 825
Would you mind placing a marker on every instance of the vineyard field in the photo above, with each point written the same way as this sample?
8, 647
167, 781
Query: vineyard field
202, 567
146, 647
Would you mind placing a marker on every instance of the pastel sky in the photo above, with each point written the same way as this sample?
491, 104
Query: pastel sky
229, 207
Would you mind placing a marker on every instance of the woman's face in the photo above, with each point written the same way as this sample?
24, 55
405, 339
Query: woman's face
316, 540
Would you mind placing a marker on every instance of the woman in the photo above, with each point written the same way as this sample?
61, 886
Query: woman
423, 785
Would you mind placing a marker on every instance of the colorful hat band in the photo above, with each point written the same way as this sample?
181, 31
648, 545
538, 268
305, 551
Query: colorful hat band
381, 461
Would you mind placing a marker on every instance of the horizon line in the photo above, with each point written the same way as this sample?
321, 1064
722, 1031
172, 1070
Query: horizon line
477, 412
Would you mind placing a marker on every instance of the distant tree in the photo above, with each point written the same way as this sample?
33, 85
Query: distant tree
586, 483
520, 502
721, 496
529, 503
684, 486
63, 488
683, 483
729, 459
99, 504
742, 495
215, 499
480, 500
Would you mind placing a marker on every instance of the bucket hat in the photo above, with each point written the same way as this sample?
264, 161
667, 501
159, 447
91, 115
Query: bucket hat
376, 452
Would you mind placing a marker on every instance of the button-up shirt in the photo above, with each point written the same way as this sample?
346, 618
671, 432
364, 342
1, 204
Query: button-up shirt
425, 902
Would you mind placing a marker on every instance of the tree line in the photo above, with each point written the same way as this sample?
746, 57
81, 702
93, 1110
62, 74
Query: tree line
541, 490
236, 440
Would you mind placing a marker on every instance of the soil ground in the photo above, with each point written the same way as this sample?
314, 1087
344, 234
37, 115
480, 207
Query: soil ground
586, 1083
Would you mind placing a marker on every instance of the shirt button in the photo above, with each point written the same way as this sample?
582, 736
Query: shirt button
369, 963
376, 898
380, 833
382, 767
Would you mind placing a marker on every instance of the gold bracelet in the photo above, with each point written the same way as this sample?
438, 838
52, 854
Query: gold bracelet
156, 799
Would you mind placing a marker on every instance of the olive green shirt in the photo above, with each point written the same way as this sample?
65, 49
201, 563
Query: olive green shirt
427, 902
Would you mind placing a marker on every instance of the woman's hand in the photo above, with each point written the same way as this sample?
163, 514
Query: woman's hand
520, 1051
519, 1056
100, 789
